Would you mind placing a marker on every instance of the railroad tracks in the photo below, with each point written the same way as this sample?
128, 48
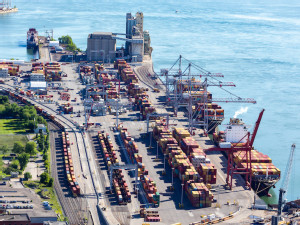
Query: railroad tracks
69, 124
70, 205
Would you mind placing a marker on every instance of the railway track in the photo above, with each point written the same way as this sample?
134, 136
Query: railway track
142, 73
71, 206
69, 124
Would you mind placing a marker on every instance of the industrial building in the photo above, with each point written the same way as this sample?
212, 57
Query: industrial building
101, 46
23, 206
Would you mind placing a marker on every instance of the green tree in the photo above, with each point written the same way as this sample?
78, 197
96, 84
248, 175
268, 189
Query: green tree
3, 99
4, 149
31, 125
18, 147
27, 175
45, 156
23, 159
41, 145
46, 163
50, 183
15, 165
30, 148
7, 170
45, 177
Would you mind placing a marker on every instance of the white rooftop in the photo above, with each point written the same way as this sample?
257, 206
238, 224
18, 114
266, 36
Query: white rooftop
38, 84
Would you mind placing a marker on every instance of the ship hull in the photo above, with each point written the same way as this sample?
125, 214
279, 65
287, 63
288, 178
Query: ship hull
31, 44
262, 187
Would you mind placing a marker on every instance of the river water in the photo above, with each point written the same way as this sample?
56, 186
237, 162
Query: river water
254, 44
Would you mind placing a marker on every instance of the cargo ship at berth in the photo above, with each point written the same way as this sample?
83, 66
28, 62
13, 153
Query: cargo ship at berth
264, 174
32, 38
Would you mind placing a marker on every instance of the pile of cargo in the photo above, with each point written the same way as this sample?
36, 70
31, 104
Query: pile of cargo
99, 68
38, 67
86, 74
261, 164
126, 73
111, 91
198, 194
150, 214
105, 78
12, 69
120, 186
213, 111
145, 107
65, 96
142, 102
134, 89
52, 71
69, 165
67, 108
48, 98
107, 149
149, 185
188, 161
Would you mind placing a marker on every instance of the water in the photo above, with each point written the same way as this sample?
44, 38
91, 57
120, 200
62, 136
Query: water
256, 45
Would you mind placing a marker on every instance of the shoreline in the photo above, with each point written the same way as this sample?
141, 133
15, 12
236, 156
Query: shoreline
9, 10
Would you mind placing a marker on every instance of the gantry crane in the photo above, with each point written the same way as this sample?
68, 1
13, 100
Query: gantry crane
285, 183
236, 169
184, 97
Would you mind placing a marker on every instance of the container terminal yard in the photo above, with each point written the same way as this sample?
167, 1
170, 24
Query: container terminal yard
131, 146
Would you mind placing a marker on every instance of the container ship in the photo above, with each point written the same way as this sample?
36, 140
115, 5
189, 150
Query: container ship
264, 174
32, 38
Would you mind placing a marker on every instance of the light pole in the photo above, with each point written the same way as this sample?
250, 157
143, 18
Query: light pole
164, 171
172, 187
182, 195
156, 150
150, 140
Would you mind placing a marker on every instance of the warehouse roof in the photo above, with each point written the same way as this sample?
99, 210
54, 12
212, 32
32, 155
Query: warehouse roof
97, 35
38, 84
14, 217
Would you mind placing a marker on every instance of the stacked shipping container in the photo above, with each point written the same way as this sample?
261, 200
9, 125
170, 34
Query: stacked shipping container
149, 185
120, 186
198, 194
68, 162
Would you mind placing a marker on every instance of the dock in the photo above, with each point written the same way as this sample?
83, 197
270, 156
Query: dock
11, 10
237, 201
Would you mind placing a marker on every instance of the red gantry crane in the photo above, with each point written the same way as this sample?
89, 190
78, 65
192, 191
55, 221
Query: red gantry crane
244, 151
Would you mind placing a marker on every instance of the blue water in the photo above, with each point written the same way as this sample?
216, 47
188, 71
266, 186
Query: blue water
255, 44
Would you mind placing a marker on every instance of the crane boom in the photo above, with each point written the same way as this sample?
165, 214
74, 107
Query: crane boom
256, 127
286, 180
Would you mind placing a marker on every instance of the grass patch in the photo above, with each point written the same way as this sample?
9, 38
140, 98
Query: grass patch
9, 140
46, 194
12, 126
